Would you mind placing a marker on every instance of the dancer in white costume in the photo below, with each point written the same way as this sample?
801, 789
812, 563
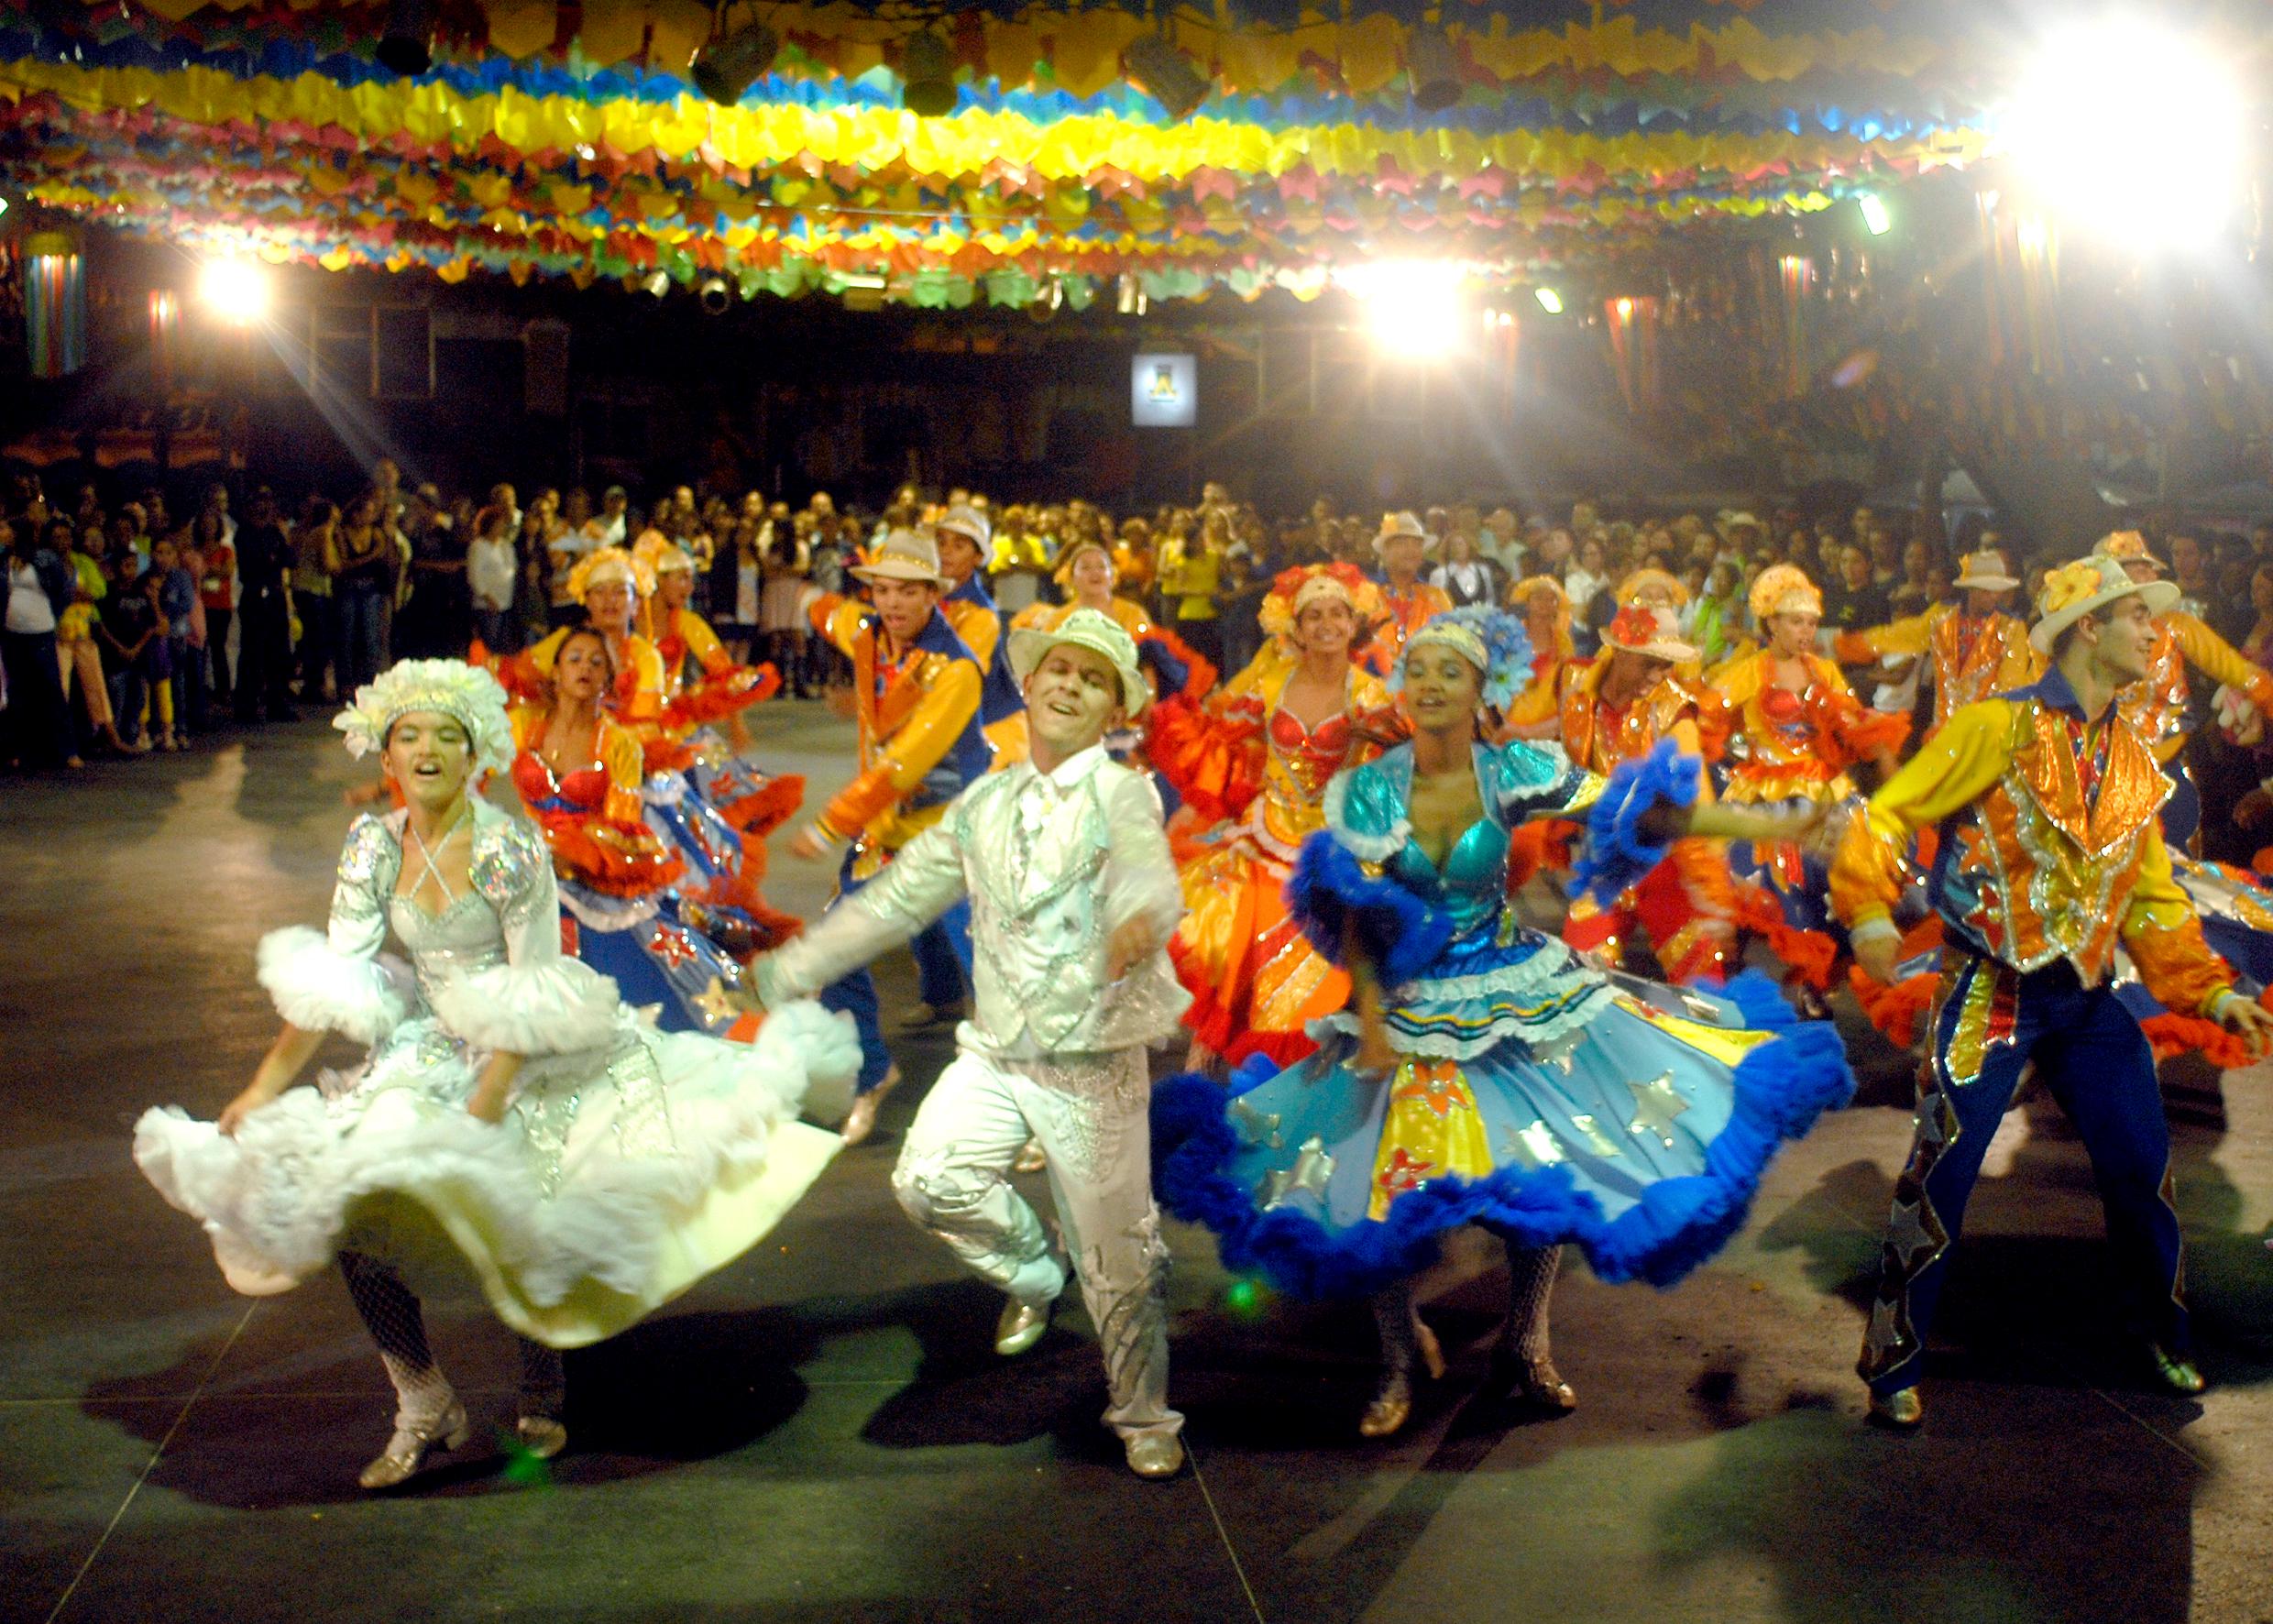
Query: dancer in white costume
511, 1120
1074, 896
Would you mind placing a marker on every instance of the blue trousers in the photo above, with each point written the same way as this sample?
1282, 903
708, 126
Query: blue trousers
855, 994
1989, 1022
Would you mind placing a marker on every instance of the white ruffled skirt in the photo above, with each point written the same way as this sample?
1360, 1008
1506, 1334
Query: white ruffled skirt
621, 1174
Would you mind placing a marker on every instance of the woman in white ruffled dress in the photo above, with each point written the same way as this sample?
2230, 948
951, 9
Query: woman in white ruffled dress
512, 1121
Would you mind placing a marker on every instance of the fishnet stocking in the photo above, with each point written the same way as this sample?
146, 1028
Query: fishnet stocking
390, 1313
1531, 1282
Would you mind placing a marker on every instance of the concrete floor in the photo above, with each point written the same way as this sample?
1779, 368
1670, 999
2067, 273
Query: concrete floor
821, 1432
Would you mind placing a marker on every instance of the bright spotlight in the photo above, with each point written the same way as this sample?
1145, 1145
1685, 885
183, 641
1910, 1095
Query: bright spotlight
2095, 125
1874, 215
1412, 307
1549, 300
236, 290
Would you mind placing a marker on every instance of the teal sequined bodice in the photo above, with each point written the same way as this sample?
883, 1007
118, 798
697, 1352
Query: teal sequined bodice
1370, 809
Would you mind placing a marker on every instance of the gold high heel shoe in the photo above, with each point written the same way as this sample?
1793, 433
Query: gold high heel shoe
408, 1449
1902, 1410
1393, 1406
1541, 1385
540, 1436
861, 1121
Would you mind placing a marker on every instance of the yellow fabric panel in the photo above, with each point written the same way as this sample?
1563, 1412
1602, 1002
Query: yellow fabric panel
1956, 768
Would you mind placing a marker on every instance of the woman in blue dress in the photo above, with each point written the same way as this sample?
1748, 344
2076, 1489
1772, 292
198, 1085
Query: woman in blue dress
1483, 1073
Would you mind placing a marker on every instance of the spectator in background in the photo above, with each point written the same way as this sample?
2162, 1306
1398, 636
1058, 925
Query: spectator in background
313, 597
437, 617
36, 728
492, 577
214, 535
362, 570
265, 559
1465, 576
1853, 602
787, 559
175, 595
1191, 575
76, 643
150, 689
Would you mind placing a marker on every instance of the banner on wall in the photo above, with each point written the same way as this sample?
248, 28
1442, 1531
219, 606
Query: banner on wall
1164, 391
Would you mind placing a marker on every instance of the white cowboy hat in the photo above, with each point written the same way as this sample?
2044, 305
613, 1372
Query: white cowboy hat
903, 555
1984, 570
967, 520
2074, 590
1399, 525
1088, 629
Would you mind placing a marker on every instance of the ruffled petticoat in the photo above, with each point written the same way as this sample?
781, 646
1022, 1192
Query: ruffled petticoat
622, 1173
1532, 1094
1256, 982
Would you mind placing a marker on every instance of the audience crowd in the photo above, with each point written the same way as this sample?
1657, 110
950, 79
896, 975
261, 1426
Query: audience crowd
132, 625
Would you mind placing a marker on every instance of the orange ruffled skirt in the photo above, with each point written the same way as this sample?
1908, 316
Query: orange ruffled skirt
1256, 982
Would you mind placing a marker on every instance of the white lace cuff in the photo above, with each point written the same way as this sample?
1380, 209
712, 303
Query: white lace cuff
319, 989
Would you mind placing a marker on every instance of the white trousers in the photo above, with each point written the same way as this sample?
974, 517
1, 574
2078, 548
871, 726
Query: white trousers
1089, 1112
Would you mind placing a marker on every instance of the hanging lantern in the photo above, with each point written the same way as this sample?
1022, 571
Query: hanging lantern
928, 74
55, 304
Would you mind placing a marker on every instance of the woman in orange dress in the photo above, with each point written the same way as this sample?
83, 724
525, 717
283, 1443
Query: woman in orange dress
1785, 729
1255, 763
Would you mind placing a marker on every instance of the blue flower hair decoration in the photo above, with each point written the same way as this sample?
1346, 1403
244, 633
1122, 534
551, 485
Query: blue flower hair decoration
1492, 639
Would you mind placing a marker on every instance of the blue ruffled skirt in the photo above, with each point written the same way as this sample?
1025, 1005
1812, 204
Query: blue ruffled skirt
1631, 1119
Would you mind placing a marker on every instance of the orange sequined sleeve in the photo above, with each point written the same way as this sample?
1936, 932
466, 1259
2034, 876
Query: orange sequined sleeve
2164, 938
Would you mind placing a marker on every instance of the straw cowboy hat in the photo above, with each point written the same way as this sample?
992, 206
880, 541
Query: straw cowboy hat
2127, 546
1085, 629
1394, 525
967, 520
1648, 631
2074, 590
903, 555
1986, 571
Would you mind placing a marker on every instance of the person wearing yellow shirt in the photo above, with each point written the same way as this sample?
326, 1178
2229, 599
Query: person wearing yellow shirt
1191, 574
916, 691
964, 536
1976, 650
2051, 857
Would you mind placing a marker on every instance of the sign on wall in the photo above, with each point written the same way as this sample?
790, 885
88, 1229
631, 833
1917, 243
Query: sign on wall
1164, 391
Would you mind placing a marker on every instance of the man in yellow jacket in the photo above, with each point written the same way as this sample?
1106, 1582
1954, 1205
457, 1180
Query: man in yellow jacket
2157, 705
2051, 858
916, 689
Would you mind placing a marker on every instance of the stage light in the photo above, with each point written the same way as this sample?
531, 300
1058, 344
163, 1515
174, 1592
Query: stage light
407, 45
1432, 68
236, 290
724, 69
657, 282
715, 296
2132, 130
1166, 74
1412, 307
928, 74
1549, 300
1874, 215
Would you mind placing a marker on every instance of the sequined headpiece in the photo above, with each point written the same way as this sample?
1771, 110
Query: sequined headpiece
1492, 640
603, 564
467, 694
1294, 590
1783, 589
1677, 591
